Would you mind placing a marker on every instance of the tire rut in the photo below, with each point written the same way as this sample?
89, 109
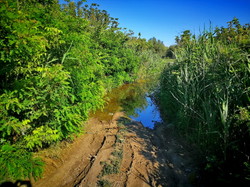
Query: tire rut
85, 171
128, 171
88, 178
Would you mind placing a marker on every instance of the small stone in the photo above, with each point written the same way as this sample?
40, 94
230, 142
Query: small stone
171, 165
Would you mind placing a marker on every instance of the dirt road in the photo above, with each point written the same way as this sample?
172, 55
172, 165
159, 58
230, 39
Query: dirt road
118, 153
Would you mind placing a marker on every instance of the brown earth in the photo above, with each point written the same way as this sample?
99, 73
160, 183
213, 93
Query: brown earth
119, 152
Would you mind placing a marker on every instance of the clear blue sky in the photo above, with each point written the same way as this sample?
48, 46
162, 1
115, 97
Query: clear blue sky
165, 19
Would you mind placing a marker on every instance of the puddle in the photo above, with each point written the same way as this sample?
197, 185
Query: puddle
131, 99
148, 115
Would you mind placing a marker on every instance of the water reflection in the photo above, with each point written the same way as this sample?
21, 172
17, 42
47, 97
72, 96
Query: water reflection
148, 115
132, 99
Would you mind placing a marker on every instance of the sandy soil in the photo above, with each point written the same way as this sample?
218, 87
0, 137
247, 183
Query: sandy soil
120, 152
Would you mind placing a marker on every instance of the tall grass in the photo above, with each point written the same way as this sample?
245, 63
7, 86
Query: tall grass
205, 92
152, 65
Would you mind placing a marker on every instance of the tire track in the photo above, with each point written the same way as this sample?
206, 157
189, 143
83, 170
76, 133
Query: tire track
90, 177
85, 171
129, 171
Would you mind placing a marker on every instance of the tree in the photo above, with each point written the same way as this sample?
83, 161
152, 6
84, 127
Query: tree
170, 52
157, 46
184, 38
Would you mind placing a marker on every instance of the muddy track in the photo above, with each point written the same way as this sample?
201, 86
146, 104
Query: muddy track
140, 168
129, 169
91, 177
85, 171
145, 161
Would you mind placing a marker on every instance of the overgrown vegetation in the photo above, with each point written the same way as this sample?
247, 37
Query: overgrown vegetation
113, 164
206, 94
104, 183
57, 62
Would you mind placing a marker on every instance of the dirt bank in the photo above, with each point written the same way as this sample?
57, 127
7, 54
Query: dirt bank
120, 152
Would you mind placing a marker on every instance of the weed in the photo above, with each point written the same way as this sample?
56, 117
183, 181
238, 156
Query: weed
103, 183
109, 169
118, 154
205, 92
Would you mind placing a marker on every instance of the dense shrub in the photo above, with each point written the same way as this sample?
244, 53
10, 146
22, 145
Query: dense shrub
206, 94
56, 63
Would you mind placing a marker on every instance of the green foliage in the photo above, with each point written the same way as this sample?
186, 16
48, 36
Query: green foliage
152, 64
56, 64
113, 166
170, 52
157, 46
118, 153
110, 168
151, 54
41, 135
184, 38
18, 163
104, 183
206, 93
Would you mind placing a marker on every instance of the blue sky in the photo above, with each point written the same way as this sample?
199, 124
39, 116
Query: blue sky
165, 19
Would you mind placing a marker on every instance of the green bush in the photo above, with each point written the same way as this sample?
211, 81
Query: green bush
18, 163
56, 64
206, 93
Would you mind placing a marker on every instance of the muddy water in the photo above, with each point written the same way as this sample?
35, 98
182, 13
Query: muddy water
134, 100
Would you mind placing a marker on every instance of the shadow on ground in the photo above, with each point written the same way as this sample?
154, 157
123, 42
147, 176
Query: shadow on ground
173, 161
16, 184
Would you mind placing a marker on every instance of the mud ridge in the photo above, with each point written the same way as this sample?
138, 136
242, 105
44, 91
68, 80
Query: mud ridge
143, 158
85, 171
128, 172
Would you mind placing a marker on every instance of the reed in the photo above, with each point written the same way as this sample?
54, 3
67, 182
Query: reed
202, 92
